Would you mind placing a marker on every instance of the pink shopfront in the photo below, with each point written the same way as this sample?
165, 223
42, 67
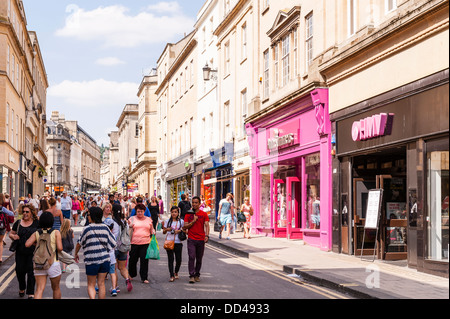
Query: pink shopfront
291, 171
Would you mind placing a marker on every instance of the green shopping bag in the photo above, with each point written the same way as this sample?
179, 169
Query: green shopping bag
159, 227
153, 249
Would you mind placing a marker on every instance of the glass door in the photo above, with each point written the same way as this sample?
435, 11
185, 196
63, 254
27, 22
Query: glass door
293, 206
394, 221
279, 200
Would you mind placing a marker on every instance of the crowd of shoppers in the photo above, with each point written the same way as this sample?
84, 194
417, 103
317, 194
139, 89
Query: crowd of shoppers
115, 238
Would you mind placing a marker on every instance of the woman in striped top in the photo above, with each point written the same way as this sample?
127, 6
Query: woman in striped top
97, 241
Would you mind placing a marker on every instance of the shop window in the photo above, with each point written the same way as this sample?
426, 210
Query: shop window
438, 203
264, 208
312, 167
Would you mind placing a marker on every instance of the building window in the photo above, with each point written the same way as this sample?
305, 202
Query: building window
438, 199
276, 64
295, 50
244, 41
226, 7
227, 133
7, 122
351, 17
227, 58
8, 53
285, 59
137, 129
309, 39
312, 167
391, 5
243, 110
266, 75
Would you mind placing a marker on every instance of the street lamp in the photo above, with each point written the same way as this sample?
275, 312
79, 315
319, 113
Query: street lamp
207, 71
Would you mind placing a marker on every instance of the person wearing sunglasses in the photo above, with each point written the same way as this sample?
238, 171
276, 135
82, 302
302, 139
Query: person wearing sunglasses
20, 232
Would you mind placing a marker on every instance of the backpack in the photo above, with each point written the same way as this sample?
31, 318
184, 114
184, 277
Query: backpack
125, 240
43, 255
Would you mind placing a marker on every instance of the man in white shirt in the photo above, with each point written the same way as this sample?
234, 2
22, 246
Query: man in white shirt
66, 205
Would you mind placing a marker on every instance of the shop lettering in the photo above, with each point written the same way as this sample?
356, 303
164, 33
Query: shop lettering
373, 126
280, 141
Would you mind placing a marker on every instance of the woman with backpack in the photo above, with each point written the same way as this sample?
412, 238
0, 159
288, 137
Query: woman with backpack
123, 239
48, 243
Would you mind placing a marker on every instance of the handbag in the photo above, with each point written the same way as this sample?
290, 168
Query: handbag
182, 236
241, 217
217, 226
169, 245
15, 243
153, 249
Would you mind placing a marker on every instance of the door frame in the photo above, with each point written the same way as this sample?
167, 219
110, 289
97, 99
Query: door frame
294, 209
280, 232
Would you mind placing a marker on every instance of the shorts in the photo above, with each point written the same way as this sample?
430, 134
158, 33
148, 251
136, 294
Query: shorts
120, 256
95, 269
112, 269
74, 212
53, 272
66, 214
2, 231
225, 219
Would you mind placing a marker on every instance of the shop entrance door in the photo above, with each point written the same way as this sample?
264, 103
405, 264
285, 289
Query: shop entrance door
361, 189
279, 207
293, 205
394, 223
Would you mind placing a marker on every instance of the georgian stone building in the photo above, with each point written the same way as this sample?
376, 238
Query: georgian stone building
23, 86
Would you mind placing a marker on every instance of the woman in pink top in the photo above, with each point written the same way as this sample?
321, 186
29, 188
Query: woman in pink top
142, 227
76, 209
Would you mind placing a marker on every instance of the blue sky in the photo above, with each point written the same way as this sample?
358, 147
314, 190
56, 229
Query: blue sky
96, 52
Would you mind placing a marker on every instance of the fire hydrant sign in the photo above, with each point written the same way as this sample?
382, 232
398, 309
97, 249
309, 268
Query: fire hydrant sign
373, 209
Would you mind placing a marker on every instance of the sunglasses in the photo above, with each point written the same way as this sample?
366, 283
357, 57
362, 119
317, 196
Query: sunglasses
26, 212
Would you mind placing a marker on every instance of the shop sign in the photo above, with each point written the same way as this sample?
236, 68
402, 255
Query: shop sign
285, 136
373, 126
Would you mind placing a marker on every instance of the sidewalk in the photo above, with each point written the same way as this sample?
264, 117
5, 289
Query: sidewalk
344, 273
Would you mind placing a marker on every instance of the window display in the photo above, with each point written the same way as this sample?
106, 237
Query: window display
438, 204
312, 167
265, 196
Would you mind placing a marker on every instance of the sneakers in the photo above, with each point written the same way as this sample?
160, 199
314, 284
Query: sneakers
129, 285
113, 292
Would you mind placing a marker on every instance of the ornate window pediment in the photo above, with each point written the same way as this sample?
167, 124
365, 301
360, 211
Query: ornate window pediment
285, 22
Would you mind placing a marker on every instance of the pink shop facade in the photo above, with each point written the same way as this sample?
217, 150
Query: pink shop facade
290, 146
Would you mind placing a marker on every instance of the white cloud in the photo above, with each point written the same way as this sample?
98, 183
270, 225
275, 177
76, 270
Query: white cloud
114, 26
109, 61
98, 94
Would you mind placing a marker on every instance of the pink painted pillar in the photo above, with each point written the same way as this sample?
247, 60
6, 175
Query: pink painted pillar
320, 102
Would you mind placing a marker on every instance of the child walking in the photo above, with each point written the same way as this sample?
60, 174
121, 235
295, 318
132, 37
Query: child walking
67, 239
